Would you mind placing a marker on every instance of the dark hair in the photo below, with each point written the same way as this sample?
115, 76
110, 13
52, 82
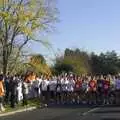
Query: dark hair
1, 77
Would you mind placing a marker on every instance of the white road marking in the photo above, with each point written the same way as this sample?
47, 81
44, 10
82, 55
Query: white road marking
92, 110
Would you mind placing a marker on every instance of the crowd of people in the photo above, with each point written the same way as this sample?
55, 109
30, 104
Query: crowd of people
62, 89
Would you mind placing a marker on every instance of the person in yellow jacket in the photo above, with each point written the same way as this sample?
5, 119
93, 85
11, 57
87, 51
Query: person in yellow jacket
2, 93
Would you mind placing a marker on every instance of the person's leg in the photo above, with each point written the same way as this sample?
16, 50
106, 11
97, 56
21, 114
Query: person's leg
17, 97
56, 97
118, 97
77, 97
25, 100
2, 109
41, 98
71, 96
66, 96
12, 101
60, 97
51, 95
37, 92
46, 98
7, 96
89, 97
97, 97
94, 97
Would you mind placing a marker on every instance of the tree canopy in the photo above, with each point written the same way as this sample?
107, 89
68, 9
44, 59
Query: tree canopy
22, 21
80, 62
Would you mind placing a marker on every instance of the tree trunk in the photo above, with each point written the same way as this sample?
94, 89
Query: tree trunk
5, 60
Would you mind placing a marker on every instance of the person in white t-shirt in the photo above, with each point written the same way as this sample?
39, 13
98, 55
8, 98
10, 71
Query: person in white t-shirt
36, 86
52, 88
44, 90
70, 88
64, 85
19, 90
58, 90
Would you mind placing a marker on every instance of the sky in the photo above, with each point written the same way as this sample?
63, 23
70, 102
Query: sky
91, 25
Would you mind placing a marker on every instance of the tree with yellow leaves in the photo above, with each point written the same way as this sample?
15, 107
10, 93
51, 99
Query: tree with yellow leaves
20, 20
39, 65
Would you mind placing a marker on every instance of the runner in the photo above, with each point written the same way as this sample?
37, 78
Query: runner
58, 90
2, 93
64, 83
78, 90
52, 88
44, 91
117, 89
92, 91
100, 89
70, 87
85, 88
106, 90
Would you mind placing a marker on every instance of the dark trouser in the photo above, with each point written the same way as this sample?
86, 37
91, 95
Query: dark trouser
36, 92
112, 97
1, 99
7, 96
25, 102
79, 95
52, 95
118, 97
106, 96
16, 98
92, 96
44, 97
70, 96
13, 100
58, 97
100, 96
64, 96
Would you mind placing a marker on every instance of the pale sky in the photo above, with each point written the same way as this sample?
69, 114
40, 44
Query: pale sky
92, 25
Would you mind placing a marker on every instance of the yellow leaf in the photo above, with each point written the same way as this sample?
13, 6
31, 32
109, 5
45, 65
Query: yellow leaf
4, 14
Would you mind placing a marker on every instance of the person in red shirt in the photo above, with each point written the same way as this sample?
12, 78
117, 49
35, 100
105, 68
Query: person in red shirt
92, 91
78, 90
106, 90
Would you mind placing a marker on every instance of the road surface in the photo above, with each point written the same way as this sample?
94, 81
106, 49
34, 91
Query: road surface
69, 113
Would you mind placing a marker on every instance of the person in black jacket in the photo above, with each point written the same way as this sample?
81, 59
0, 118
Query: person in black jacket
13, 91
7, 83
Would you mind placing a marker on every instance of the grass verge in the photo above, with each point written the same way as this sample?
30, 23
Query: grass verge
19, 106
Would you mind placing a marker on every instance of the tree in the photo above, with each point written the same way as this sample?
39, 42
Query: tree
20, 20
75, 61
105, 63
37, 63
61, 66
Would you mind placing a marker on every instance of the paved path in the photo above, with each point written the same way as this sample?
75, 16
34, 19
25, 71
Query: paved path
68, 113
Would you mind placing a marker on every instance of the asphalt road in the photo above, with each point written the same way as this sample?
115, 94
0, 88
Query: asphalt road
69, 113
